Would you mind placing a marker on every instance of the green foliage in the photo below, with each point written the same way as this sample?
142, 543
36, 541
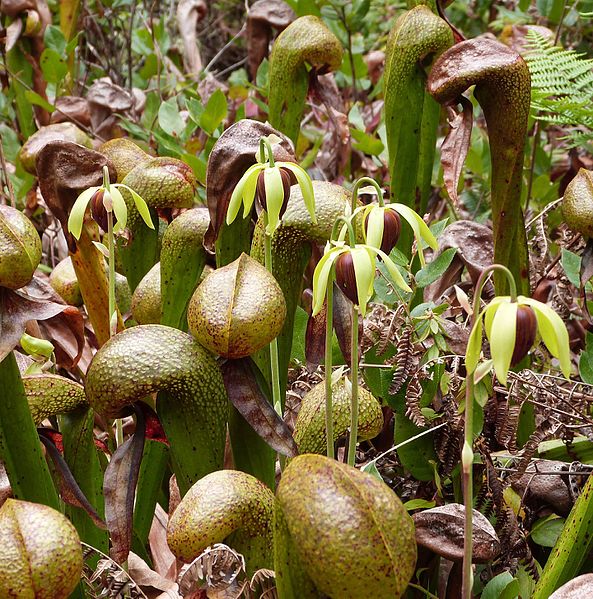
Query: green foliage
562, 87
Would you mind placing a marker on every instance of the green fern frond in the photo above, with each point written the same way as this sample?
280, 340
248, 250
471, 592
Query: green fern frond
562, 86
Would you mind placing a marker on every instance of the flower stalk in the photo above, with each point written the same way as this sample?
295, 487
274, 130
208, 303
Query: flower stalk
502, 325
467, 453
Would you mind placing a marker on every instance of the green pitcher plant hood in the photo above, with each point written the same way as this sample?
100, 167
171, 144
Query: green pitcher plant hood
499, 320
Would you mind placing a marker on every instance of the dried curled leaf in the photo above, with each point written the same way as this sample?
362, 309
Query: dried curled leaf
263, 17
456, 144
246, 395
440, 529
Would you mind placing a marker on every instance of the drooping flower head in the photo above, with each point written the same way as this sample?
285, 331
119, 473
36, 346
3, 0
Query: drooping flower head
270, 180
106, 198
511, 330
355, 273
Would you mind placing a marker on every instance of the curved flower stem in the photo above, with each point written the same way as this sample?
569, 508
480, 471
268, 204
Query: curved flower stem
265, 147
366, 181
344, 221
276, 395
329, 331
354, 380
467, 454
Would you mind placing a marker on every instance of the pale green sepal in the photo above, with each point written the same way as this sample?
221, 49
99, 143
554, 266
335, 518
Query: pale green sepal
237, 195
375, 225
482, 370
140, 204
392, 269
364, 271
249, 190
321, 275
474, 346
553, 332
502, 338
119, 208
490, 311
306, 186
420, 228
76, 218
274, 197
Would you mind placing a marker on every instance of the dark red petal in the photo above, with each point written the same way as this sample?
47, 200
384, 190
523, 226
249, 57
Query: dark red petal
346, 277
526, 329
391, 229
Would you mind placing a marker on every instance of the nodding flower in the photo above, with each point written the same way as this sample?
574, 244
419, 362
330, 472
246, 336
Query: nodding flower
355, 272
511, 328
270, 180
106, 198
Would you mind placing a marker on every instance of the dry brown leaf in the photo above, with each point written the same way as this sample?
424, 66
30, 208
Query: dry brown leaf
245, 394
441, 529
456, 144
163, 559
262, 18
189, 12
72, 108
153, 585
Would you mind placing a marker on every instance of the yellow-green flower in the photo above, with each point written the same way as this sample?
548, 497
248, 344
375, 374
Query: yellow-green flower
274, 188
112, 201
499, 319
374, 217
355, 276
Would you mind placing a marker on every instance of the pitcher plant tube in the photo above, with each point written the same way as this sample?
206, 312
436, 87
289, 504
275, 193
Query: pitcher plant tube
270, 182
511, 324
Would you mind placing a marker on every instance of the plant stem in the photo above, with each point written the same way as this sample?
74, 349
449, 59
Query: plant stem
329, 329
467, 454
354, 380
112, 306
366, 181
274, 363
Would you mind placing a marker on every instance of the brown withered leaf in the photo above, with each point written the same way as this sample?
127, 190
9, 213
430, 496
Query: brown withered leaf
515, 36
245, 394
232, 154
119, 486
153, 585
65, 330
16, 309
475, 251
72, 108
105, 93
65, 170
70, 492
189, 12
163, 560
545, 490
263, 17
440, 529
577, 588
456, 144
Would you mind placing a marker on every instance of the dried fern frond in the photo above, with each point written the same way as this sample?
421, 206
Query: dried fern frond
107, 580
217, 568
406, 360
413, 397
